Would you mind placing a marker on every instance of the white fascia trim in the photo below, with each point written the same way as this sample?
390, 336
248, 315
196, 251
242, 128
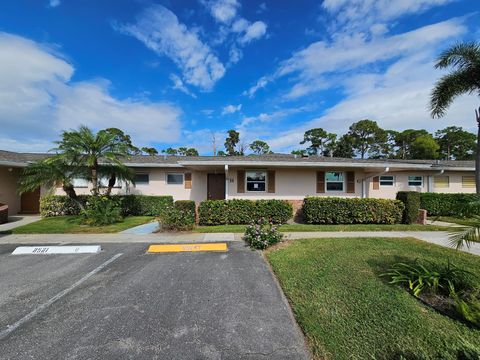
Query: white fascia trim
305, 164
153, 165
13, 164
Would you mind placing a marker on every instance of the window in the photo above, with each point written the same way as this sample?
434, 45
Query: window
103, 183
387, 180
80, 183
175, 179
334, 181
415, 180
468, 182
142, 179
441, 182
256, 180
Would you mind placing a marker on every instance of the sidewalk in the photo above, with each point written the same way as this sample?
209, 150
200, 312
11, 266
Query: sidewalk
18, 220
434, 237
168, 238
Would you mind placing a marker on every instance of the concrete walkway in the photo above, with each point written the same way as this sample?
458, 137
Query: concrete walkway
18, 220
167, 238
434, 237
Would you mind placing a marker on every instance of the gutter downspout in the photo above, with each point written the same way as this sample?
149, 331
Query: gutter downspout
226, 182
364, 184
430, 180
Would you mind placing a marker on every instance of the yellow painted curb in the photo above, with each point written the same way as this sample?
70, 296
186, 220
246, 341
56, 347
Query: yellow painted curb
169, 248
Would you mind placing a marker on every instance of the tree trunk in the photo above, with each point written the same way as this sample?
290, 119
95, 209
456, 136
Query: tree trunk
94, 179
477, 155
111, 184
70, 191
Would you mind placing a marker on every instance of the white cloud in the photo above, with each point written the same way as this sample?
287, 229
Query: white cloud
253, 32
397, 99
225, 12
38, 100
54, 3
360, 14
159, 29
231, 109
179, 85
261, 83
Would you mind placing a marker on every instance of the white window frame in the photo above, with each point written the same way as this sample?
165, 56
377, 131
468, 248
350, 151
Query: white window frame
172, 173
246, 181
421, 180
143, 183
380, 180
343, 182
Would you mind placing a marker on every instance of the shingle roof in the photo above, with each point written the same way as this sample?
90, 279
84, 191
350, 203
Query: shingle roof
22, 159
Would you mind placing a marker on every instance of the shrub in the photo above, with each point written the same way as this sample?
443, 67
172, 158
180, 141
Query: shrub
131, 205
447, 204
239, 211
213, 212
101, 210
420, 277
451, 290
276, 211
177, 219
411, 199
332, 210
262, 234
144, 205
188, 206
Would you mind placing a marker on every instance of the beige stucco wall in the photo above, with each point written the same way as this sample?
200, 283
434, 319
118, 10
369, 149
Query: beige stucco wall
158, 185
8, 189
401, 184
290, 184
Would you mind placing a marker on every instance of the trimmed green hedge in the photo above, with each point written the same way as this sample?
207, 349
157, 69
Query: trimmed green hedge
188, 207
333, 210
411, 200
239, 211
132, 205
446, 204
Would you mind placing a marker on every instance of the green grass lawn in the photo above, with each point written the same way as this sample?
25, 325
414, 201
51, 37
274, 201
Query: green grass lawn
348, 312
310, 228
71, 225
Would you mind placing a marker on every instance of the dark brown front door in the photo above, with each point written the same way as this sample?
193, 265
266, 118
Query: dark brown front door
30, 202
216, 186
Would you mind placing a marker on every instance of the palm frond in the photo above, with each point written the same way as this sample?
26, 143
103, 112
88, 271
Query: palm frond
465, 235
449, 87
460, 56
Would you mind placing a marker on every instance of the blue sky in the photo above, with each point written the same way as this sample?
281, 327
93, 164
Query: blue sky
172, 73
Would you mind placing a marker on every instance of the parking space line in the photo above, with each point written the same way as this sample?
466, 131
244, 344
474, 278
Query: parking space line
33, 313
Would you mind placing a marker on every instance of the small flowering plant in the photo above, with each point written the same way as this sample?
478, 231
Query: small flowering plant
261, 234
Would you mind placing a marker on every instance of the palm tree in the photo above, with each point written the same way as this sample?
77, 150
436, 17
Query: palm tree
101, 153
464, 60
81, 154
49, 172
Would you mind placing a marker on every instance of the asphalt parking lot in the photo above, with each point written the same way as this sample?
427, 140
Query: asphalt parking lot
144, 306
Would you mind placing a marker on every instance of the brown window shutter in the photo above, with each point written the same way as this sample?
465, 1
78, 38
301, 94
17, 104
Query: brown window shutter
240, 181
271, 181
350, 182
320, 182
376, 183
188, 180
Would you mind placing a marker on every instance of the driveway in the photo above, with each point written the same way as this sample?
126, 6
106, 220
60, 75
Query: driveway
144, 306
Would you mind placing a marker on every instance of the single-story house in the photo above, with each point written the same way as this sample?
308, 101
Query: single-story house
274, 176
